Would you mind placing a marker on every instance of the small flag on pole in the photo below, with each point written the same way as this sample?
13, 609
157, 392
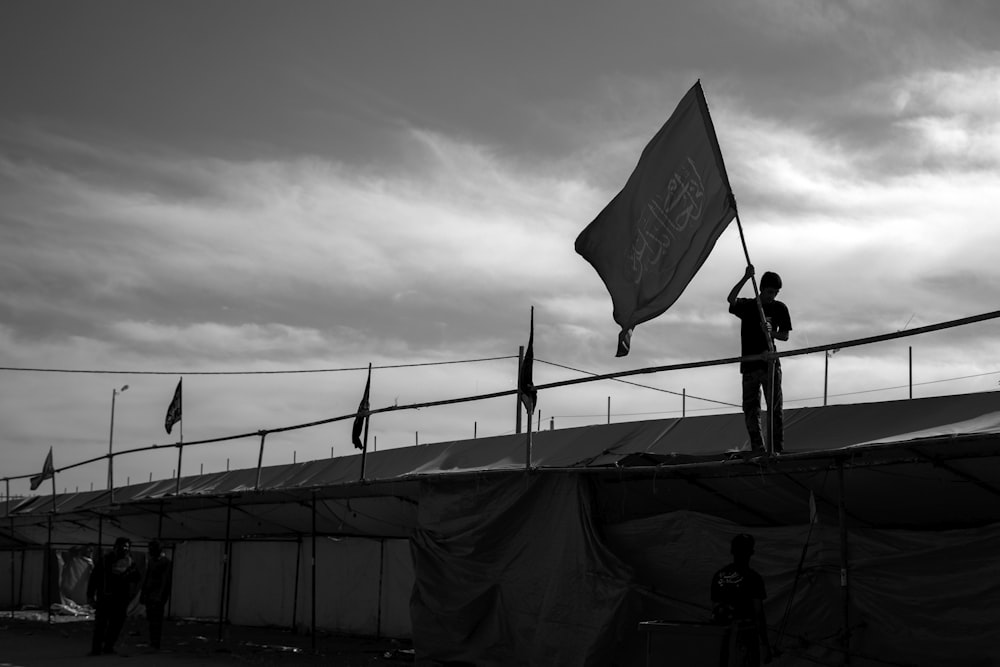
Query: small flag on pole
174, 409
48, 472
651, 239
525, 383
363, 408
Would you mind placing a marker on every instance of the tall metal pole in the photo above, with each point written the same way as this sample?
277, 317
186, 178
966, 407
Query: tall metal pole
13, 578
844, 561
826, 373
48, 572
295, 594
11, 552
313, 596
111, 443
911, 371
381, 575
225, 567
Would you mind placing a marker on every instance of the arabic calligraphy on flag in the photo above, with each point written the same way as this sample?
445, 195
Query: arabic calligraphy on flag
651, 239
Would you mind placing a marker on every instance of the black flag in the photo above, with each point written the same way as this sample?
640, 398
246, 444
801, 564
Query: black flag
363, 407
48, 472
525, 384
174, 409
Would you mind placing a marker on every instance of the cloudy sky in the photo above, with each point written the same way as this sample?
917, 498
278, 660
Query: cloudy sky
232, 187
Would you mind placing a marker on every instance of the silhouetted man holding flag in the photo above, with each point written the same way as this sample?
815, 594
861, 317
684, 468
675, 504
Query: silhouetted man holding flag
757, 337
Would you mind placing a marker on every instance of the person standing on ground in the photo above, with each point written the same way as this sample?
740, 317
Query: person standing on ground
754, 339
156, 591
738, 601
111, 587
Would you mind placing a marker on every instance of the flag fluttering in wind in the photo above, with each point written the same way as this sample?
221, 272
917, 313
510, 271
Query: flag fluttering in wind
174, 409
362, 418
651, 239
525, 383
48, 472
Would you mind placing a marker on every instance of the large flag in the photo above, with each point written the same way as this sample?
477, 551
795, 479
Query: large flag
651, 239
174, 409
48, 472
363, 407
525, 384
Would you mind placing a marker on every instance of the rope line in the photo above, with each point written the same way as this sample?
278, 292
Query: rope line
285, 372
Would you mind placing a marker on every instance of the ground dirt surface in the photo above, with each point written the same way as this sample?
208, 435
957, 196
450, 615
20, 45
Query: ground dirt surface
30, 640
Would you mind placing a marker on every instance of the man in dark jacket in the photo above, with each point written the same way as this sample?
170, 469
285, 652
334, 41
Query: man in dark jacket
156, 591
112, 585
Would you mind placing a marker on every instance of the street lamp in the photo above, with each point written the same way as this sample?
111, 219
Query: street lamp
111, 441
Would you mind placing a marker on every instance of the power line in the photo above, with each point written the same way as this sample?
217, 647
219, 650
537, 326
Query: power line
285, 372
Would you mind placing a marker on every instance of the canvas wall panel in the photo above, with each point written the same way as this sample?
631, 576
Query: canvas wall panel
263, 583
197, 579
347, 592
397, 587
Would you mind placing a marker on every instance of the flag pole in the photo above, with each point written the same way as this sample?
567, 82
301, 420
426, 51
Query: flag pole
260, 459
763, 324
180, 443
364, 447
527, 454
531, 360
517, 401
53, 493
753, 278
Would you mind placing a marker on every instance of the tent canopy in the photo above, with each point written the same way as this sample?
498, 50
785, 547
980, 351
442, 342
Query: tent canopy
891, 452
